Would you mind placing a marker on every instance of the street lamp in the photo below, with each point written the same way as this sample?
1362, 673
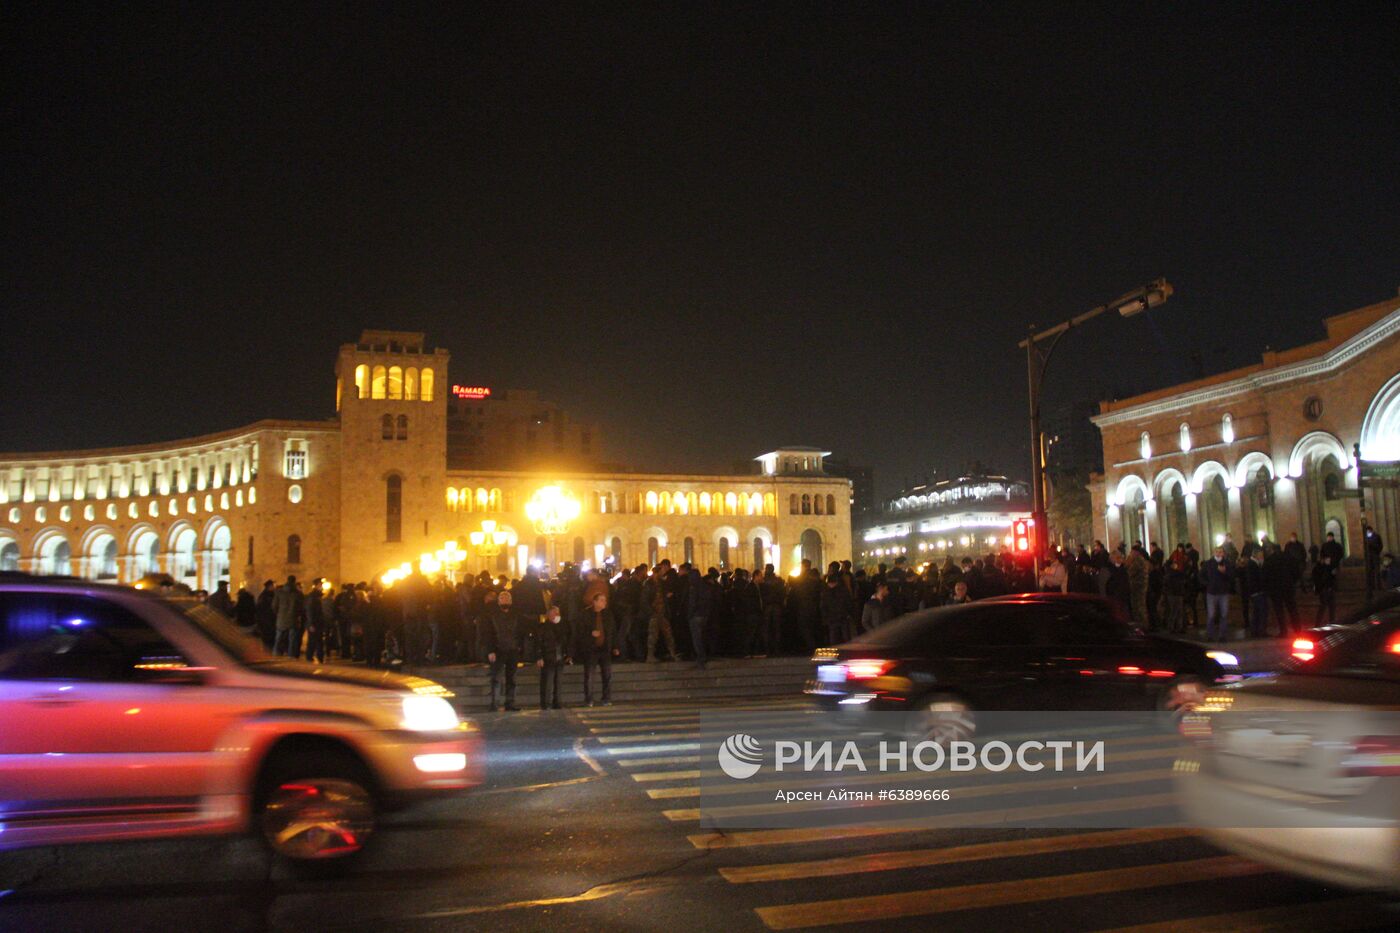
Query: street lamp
551, 510
489, 540
1134, 302
450, 557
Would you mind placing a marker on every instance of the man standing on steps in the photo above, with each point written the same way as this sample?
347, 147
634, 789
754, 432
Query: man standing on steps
553, 640
700, 603
595, 643
773, 591
657, 605
503, 632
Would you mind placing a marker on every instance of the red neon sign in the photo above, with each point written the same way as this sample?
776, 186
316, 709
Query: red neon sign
471, 391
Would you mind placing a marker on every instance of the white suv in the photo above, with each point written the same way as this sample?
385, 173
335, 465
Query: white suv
124, 715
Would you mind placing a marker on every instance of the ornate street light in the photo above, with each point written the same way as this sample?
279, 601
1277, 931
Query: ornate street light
552, 510
451, 557
488, 541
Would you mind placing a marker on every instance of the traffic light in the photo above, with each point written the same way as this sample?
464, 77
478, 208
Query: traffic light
1021, 534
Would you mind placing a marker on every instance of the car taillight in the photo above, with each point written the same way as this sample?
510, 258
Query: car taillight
867, 668
1374, 756
1303, 649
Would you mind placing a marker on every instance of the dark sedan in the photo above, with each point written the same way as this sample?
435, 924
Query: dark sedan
1035, 651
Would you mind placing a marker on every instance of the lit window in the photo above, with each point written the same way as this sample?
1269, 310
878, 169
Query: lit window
1145, 446
294, 493
1227, 429
296, 464
361, 381
1185, 436
425, 385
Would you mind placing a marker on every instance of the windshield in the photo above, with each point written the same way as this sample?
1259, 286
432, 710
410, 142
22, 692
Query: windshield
222, 631
1369, 650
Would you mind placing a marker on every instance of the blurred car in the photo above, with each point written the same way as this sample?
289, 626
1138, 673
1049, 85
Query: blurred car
127, 715
1301, 770
1315, 640
1034, 651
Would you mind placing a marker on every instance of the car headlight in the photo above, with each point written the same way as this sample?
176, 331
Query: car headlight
1223, 658
428, 714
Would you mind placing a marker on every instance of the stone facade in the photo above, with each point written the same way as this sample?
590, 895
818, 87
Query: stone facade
350, 497
1264, 450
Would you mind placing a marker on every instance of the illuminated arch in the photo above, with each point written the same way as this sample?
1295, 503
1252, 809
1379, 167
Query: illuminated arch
52, 552
1312, 447
410, 384
452, 498
1127, 485
483, 500
651, 502
361, 381
395, 382
731, 504
1163, 480
377, 383
770, 504
725, 533
1205, 472
425, 384
658, 533
1251, 462
663, 504
1380, 431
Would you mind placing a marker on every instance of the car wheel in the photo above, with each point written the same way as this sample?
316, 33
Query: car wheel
942, 719
317, 811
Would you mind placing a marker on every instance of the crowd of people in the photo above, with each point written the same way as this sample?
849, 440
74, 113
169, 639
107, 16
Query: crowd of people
664, 613
1168, 591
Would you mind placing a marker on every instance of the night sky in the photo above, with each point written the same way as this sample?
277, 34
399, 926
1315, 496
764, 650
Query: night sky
714, 229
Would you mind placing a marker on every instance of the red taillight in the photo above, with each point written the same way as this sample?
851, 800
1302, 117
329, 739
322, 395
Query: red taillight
1303, 649
1395, 646
1129, 669
1375, 756
867, 668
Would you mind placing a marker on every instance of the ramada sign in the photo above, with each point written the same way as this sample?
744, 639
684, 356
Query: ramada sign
471, 391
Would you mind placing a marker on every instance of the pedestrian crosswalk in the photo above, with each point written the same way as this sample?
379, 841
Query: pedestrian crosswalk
875, 870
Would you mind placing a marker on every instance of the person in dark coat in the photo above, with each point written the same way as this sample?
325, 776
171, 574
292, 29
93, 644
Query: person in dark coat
245, 611
1218, 578
553, 638
772, 590
315, 623
700, 605
746, 609
595, 643
1324, 582
267, 614
877, 610
1118, 588
1252, 585
1280, 579
503, 632
838, 609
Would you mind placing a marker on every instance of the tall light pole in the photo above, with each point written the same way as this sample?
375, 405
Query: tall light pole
1134, 302
489, 540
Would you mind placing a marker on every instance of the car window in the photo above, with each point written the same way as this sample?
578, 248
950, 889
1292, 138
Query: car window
1080, 625
981, 627
55, 636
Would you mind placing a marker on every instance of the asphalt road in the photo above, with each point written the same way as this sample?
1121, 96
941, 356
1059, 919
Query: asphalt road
587, 823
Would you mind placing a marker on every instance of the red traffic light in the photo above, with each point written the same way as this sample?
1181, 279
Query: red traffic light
1021, 533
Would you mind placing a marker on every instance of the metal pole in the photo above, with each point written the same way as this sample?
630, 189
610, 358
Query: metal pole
1037, 465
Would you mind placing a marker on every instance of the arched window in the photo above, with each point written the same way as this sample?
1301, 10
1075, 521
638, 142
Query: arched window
9, 556
704, 503
758, 553
578, 550
494, 500
362, 381
1227, 428
688, 549
377, 383
395, 382
651, 502
793, 507
811, 544
425, 384
731, 504
663, 504
293, 549
770, 504
401, 433
806, 504
616, 548
830, 504
410, 384
1185, 432
452, 498
1145, 445
653, 552
817, 505
465, 499
723, 553
483, 500
250, 550
692, 503
393, 508
386, 427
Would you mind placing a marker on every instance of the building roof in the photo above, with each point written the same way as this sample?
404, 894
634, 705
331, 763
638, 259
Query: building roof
134, 450
1348, 335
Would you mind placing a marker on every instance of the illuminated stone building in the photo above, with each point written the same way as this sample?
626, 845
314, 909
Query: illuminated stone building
370, 489
1268, 449
970, 516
